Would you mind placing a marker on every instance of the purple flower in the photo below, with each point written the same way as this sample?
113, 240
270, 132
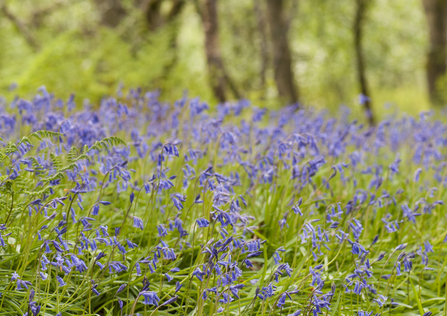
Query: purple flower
95, 210
138, 223
202, 222
178, 286
121, 288
14, 276
150, 298
60, 280
170, 301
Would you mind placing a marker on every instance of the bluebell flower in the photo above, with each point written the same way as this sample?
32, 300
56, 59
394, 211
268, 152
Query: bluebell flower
150, 298
202, 222
60, 280
162, 232
178, 286
94, 290
281, 301
121, 288
400, 247
363, 313
168, 277
14, 276
138, 223
169, 301
381, 256
234, 289
199, 274
130, 244
380, 300
95, 210
120, 303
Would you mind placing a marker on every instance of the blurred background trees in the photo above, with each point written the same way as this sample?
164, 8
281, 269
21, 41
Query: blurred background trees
282, 57
436, 12
317, 52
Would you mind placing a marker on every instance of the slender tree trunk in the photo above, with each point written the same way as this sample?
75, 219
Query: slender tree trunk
361, 8
156, 19
436, 13
176, 9
112, 12
282, 58
174, 24
21, 27
212, 49
152, 11
263, 48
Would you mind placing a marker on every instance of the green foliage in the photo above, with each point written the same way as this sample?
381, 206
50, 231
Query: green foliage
267, 204
83, 57
77, 54
98, 146
106, 143
93, 65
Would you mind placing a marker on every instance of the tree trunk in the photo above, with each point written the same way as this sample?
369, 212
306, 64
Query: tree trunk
112, 12
212, 49
263, 47
152, 11
360, 59
282, 58
174, 24
176, 9
21, 27
436, 12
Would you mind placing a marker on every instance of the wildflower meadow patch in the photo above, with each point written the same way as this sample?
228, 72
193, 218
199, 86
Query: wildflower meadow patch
140, 207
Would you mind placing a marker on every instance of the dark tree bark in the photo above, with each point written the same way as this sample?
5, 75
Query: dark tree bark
112, 12
436, 13
176, 9
263, 48
361, 8
282, 58
218, 76
153, 15
212, 49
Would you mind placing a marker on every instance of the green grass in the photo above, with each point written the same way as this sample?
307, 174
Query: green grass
269, 200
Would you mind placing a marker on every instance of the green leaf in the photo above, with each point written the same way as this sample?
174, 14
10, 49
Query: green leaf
416, 296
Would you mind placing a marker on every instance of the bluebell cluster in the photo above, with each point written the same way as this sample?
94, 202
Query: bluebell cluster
140, 207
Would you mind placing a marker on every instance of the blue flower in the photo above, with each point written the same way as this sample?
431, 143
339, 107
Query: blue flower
138, 223
202, 222
150, 298
60, 280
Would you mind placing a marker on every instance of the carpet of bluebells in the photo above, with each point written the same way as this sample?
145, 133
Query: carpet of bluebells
138, 207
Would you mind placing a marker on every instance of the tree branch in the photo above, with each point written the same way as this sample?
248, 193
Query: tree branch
21, 27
